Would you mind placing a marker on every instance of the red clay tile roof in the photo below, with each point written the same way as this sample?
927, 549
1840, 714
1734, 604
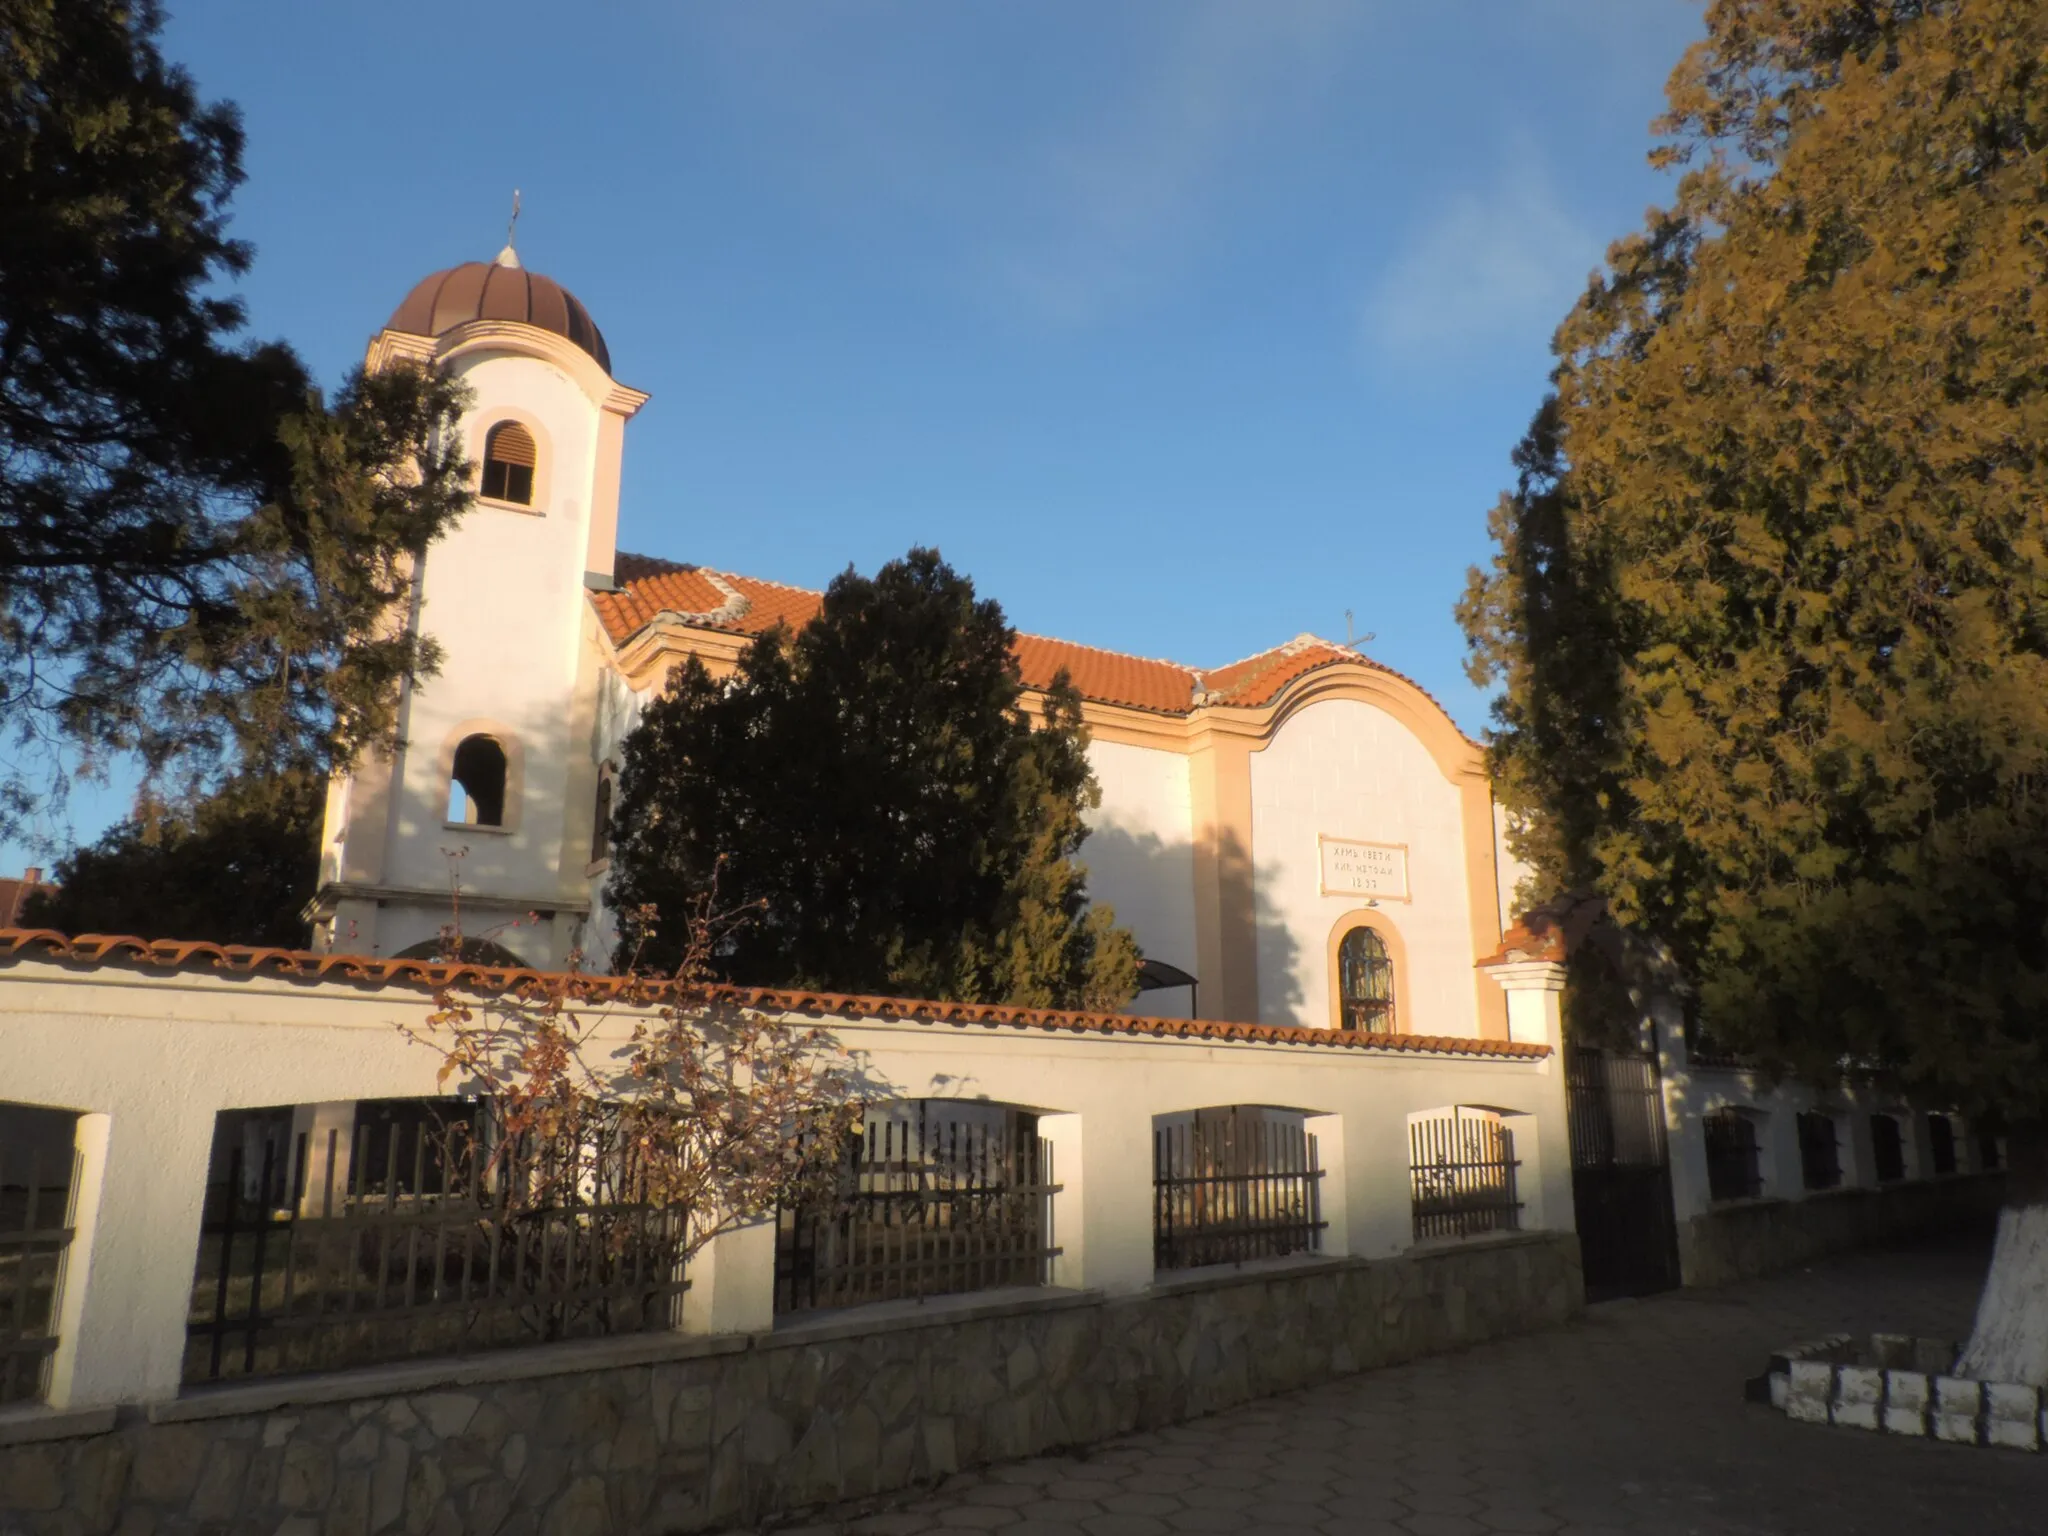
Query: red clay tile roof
1527, 942
1558, 929
1259, 679
95, 949
650, 589
1107, 677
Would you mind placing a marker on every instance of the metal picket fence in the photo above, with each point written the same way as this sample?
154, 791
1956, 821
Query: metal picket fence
406, 1237
38, 1172
1734, 1156
1234, 1185
1461, 1170
934, 1198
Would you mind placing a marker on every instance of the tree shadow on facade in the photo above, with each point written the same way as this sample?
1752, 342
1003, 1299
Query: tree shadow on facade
1155, 887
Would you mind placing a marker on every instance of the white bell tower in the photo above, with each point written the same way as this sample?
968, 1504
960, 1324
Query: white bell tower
493, 785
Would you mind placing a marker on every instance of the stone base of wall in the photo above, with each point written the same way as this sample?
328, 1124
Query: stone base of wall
1747, 1238
639, 1437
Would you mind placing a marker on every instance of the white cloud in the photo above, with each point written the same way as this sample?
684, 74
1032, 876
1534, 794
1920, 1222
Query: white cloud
1500, 266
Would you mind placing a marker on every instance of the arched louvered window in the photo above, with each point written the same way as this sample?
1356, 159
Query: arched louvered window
476, 789
509, 459
1365, 980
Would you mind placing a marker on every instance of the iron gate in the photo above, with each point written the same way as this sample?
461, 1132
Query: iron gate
1621, 1178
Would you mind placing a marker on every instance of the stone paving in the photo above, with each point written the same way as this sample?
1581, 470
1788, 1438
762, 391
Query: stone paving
1630, 1423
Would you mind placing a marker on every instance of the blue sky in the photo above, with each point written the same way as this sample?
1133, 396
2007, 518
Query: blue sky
1182, 326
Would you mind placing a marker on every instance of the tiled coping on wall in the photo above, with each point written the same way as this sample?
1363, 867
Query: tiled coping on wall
667, 1434
1900, 1386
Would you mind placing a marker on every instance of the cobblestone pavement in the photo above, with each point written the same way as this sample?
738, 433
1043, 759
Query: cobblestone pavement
1629, 1422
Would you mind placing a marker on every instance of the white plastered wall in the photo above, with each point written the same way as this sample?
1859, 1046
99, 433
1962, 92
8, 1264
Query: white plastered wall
1346, 769
503, 596
619, 707
151, 1058
1141, 858
1693, 1091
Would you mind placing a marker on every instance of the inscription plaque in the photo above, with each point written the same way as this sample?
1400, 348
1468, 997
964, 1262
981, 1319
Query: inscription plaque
1354, 868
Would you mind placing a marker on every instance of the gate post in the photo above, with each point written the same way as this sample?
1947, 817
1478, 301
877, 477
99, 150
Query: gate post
1535, 992
1687, 1139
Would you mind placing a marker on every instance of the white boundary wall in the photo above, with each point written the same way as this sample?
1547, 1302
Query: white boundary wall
1693, 1091
148, 1058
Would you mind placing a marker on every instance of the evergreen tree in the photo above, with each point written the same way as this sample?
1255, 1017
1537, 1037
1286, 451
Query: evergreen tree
198, 555
236, 867
1771, 598
872, 786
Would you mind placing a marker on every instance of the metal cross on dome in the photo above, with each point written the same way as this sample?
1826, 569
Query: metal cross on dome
509, 257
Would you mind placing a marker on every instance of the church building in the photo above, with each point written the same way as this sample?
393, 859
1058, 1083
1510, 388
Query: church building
1299, 837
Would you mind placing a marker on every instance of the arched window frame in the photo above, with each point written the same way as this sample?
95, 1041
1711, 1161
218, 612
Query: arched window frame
1397, 959
487, 422
1822, 1164
515, 776
1734, 1139
1944, 1146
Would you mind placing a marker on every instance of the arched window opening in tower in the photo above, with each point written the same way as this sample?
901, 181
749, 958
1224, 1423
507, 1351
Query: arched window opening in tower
1365, 978
476, 787
509, 459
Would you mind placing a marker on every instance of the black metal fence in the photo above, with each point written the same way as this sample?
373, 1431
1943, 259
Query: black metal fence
37, 1175
1461, 1169
1733, 1156
1820, 1151
1233, 1185
1621, 1179
1887, 1148
935, 1197
410, 1234
1941, 1144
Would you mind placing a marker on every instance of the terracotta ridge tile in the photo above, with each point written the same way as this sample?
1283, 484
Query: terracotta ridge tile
1299, 642
1103, 650
94, 949
763, 581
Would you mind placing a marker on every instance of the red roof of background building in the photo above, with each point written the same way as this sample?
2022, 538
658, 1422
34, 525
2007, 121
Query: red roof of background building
15, 891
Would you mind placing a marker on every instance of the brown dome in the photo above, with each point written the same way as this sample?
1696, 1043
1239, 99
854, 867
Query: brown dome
497, 290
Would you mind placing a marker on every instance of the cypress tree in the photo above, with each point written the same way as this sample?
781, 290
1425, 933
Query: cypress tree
871, 789
1770, 603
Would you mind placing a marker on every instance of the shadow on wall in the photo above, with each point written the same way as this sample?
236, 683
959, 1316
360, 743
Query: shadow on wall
1150, 882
